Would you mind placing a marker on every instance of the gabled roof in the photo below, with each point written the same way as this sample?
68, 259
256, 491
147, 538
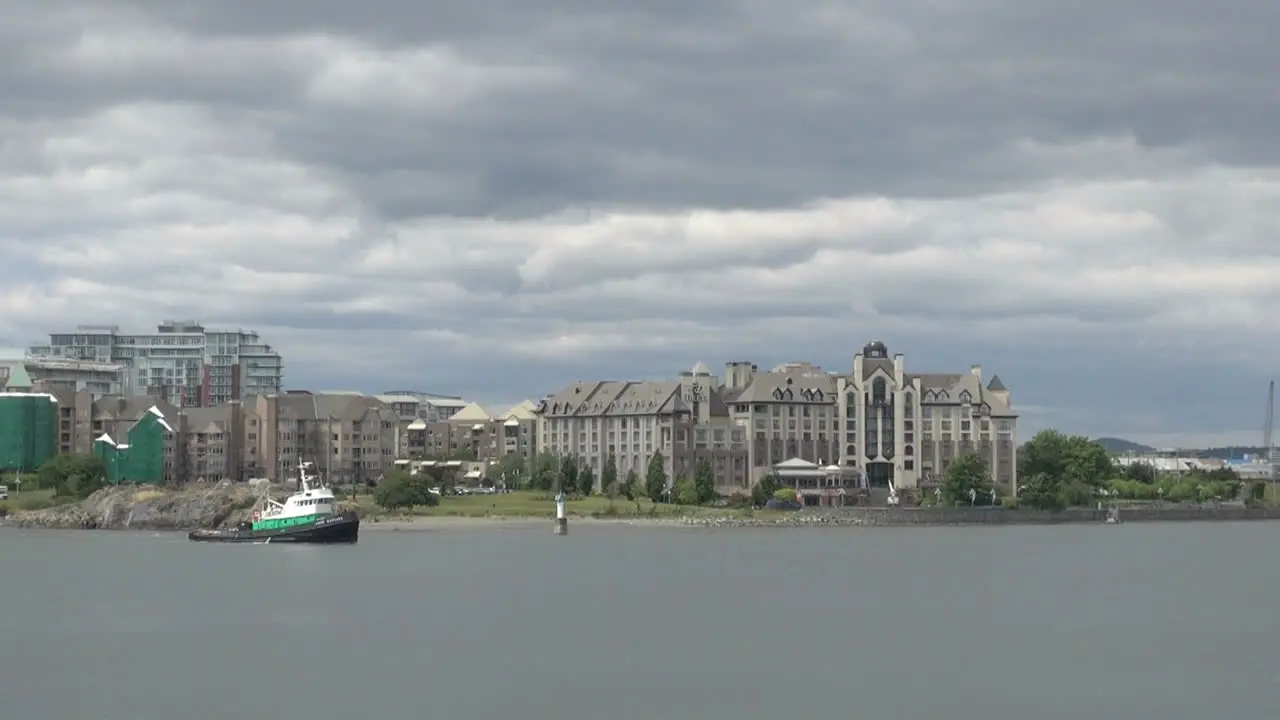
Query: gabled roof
523, 411
340, 407
19, 378
471, 413
795, 386
797, 464
615, 398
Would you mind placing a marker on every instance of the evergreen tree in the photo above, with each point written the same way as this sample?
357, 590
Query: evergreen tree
655, 478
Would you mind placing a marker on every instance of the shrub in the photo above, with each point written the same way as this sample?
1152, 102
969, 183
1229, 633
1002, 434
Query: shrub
785, 494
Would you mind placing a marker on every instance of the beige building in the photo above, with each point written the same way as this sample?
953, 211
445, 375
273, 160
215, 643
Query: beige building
879, 423
685, 419
908, 427
789, 412
352, 438
476, 433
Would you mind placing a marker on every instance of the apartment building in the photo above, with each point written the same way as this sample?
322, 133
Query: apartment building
415, 405
352, 438
686, 419
789, 412
42, 374
75, 420
213, 444
474, 432
183, 362
114, 416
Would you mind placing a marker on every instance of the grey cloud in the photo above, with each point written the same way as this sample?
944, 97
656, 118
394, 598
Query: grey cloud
577, 188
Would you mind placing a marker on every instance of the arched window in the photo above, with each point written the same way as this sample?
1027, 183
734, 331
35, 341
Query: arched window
908, 404
879, 391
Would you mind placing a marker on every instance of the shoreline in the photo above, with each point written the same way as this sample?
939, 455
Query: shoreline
850, 518
415, 523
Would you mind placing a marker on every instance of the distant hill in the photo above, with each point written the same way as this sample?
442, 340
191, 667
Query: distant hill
1118, 445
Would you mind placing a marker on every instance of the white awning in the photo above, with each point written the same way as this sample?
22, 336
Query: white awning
474, 474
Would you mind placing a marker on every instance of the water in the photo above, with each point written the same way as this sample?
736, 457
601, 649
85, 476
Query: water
1167, 622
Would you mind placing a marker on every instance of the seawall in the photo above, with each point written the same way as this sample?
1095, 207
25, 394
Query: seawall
933, 516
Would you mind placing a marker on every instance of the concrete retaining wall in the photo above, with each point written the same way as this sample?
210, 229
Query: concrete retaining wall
998, 516
934, 516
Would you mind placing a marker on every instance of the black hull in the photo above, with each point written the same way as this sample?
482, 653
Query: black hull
339, 529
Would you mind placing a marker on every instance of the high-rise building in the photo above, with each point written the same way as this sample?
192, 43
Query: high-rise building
183, 363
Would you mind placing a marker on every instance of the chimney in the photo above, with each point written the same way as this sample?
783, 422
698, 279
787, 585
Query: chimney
977, 372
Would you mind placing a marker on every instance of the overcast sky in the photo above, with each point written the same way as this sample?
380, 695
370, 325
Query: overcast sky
494, 198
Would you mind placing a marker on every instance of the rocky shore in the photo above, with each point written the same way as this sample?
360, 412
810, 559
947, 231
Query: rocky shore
145, 508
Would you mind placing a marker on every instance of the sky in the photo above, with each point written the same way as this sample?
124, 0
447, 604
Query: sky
495, 198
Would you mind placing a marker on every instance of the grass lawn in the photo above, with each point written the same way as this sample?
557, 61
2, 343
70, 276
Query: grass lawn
539, 504
26, 500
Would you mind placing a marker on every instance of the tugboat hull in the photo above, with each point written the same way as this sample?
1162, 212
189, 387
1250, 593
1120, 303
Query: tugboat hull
339, 529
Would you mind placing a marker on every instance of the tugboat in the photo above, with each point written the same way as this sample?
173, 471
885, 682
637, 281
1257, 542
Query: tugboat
307, 516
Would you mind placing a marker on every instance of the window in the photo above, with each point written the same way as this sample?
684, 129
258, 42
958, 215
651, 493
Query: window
879, 391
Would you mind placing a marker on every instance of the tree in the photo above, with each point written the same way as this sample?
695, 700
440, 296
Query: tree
1257, 494
967, 475
763, 491
72, 474
631, 484
1041, 492
631, 488
513, 470
402, 490
655, 478
1143, 472
569, 474
686, 491
609, 475
1070, 467
586, 480
544, 470
704, 482
1066, 458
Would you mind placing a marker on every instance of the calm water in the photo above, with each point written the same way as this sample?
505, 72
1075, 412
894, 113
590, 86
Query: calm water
1167, 622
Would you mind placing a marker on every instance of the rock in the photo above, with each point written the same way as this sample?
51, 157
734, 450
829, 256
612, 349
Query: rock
146, 508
